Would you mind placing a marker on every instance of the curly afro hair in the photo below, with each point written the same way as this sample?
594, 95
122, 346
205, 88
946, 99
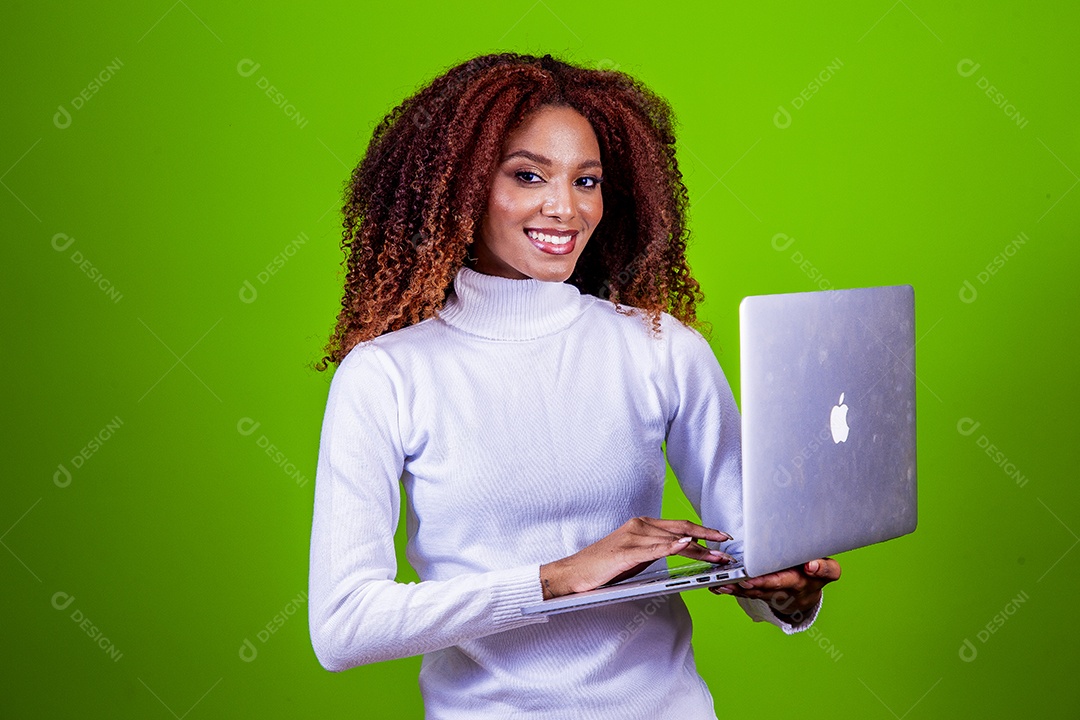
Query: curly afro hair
413, 203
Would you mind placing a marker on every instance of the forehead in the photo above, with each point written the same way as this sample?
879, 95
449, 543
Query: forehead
559, 133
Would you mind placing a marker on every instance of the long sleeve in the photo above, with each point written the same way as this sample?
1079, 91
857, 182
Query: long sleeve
704, 450
358, 612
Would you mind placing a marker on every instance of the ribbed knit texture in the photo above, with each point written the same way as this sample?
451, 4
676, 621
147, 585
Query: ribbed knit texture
525, 422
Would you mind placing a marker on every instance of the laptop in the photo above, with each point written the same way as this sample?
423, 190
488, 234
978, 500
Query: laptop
828, 438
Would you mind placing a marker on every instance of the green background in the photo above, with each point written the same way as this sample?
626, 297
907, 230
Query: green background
179, 180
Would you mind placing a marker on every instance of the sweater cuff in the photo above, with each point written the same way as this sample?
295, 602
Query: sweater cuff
515, 589
760, 611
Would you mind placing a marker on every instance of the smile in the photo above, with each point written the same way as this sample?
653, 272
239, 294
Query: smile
553, 239
552, 244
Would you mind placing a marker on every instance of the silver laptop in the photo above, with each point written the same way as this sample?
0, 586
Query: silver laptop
828, 438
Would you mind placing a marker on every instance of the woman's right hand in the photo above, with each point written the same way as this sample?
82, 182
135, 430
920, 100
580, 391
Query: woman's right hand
626, 552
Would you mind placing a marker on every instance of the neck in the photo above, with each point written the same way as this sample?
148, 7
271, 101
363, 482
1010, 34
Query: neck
499, 308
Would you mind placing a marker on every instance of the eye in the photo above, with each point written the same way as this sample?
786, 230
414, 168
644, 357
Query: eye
595, 181
525, 172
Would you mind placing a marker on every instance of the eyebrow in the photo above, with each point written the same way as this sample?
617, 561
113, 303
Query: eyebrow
545, 161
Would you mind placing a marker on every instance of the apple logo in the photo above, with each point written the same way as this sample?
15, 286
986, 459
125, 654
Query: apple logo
838, 421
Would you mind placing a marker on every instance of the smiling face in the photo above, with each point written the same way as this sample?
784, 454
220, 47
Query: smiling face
545, 198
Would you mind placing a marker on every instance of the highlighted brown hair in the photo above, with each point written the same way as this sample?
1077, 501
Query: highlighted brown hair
414, 202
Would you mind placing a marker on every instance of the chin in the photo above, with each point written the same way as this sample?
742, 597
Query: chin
552, 274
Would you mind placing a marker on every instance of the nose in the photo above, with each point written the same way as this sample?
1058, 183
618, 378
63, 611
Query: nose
559, 202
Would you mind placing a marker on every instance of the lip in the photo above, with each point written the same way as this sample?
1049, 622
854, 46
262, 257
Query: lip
551, 248
553, 231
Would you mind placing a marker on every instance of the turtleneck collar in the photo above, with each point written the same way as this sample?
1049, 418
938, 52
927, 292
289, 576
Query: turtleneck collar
500, 308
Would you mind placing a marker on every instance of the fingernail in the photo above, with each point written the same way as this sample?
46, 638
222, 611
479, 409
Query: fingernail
723, 590
684, 540
717, 553
812, 566
746, 584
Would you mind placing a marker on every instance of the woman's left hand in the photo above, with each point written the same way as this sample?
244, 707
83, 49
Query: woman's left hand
791, 592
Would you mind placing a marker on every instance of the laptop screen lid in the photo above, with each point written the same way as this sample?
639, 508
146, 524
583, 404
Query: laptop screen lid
828, 423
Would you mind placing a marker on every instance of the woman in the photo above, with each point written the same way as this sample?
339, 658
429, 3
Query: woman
516, 345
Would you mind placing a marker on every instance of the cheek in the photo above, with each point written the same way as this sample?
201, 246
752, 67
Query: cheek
594, 209
508, 205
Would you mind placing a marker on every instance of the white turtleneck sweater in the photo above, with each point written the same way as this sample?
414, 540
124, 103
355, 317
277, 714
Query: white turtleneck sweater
525, 422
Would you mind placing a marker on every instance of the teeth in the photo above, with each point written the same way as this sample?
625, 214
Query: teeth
553, 239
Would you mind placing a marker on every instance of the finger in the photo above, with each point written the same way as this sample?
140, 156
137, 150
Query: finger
697, 552
665, 547
648, 542
752, 593
685, 527
662, 547
683, 546
786, 579
823, 568
634, 557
